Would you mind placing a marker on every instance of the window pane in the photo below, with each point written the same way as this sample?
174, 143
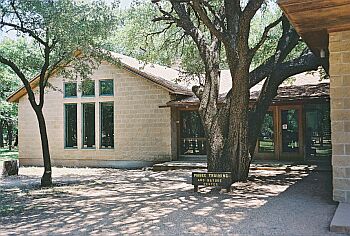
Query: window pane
70, 89
193, 141
88, 125
107, 125
290, 130
71, 125
266, 141
88, 88
317, 131
106, 87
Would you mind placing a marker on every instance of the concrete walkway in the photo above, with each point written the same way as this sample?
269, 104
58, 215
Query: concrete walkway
341, 220
119, 202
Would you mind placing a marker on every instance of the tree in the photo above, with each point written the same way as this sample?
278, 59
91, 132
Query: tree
224, 27
8, 111
61, 36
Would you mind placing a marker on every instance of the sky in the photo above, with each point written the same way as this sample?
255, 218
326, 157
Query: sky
125, 3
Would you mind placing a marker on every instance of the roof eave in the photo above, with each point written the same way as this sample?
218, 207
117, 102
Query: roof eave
306, 17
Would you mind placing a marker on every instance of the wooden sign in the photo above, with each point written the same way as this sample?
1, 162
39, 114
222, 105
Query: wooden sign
220, 179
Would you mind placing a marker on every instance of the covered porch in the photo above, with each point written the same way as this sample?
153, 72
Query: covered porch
296, 127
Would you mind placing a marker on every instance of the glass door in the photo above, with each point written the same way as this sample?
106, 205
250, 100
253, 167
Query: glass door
192, 137
266, 144
290, 130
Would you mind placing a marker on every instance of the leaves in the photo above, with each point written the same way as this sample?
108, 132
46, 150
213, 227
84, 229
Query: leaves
137, 36
51, 33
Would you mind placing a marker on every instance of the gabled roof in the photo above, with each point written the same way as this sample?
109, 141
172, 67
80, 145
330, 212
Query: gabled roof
160, 75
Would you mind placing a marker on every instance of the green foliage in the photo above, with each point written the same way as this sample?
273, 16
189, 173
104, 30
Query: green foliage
8, 82
262, 19
137, 36
63, 25
155, 42
23, 53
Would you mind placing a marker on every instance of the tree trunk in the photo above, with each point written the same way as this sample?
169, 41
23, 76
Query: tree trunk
9, 134
259, 110
228, 143
1, 134
10, 168
217, 137
227, 135
238, 131
16, 139
46, 179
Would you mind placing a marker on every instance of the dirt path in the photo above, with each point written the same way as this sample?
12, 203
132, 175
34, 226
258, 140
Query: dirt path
120, 202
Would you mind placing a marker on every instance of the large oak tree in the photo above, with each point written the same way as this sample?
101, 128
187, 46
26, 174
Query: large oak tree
222, 28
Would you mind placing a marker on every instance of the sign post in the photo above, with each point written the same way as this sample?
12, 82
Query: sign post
220, 179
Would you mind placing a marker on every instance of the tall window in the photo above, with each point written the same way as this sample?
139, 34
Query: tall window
88, 88
266, 142
88, 125
317, 132
71, 125
106, 87
107, 124
70, 89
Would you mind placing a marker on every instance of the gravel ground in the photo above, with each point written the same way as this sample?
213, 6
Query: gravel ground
120, 202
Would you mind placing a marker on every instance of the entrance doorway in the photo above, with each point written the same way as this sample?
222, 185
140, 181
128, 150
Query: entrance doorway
281, 136
192, 141
290, 132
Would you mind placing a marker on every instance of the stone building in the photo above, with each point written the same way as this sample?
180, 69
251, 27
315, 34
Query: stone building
116, 119
325, 26
135, 115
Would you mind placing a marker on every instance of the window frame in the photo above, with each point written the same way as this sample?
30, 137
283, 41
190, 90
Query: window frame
82, 89
83, 126
99, 86
100, 125
260, 149
65, 126
64, 89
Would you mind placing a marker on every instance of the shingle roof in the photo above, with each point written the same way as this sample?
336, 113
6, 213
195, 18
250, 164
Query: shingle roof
161, 75
285, 93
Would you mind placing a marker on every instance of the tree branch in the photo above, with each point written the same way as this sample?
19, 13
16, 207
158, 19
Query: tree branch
286, 43
264, 36
220, 34
44, 76
218, 15
20, 27
22, 77
187, 25
252, 7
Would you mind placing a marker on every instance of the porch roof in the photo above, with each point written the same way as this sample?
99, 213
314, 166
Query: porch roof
315, 19
285, 94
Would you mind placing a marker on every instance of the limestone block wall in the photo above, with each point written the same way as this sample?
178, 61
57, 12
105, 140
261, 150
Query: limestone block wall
142, 130
339, 48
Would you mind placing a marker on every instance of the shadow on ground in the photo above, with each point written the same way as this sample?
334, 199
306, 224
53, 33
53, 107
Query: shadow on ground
163, 203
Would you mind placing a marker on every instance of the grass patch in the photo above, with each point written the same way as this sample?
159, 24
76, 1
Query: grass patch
5, 154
